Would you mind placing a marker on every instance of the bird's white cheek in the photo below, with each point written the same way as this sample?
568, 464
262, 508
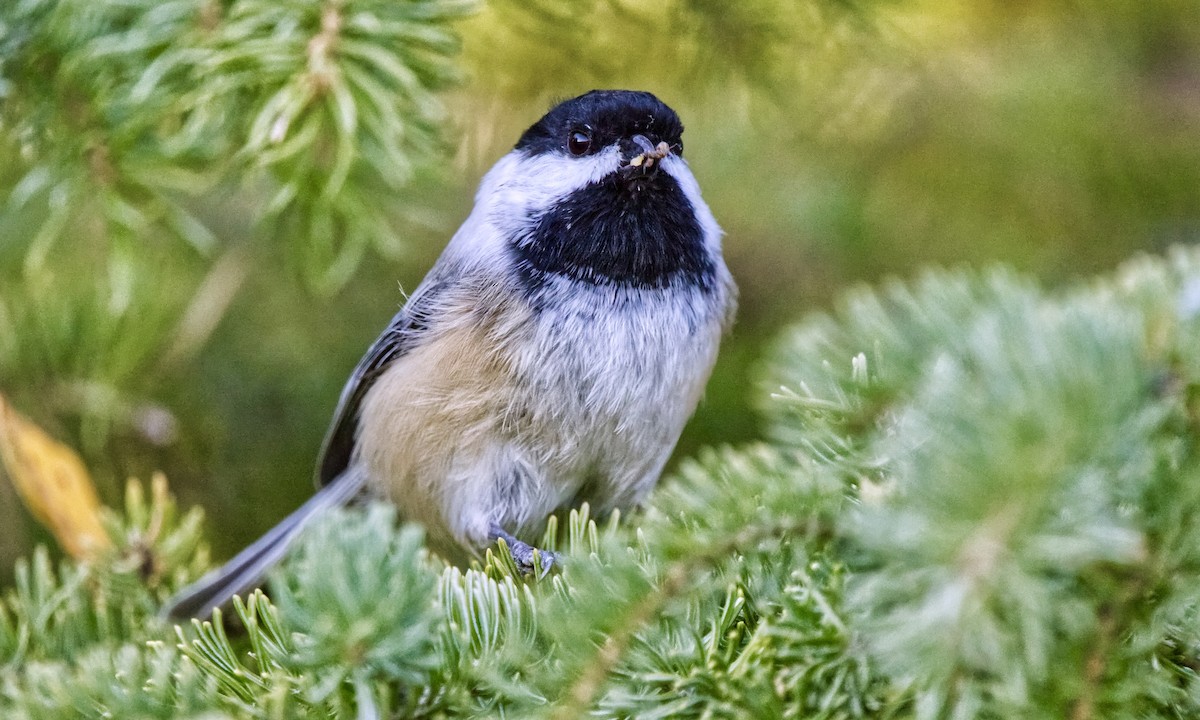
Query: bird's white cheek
560, 176
530, 185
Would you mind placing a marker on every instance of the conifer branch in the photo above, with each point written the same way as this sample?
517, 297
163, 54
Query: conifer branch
636, 616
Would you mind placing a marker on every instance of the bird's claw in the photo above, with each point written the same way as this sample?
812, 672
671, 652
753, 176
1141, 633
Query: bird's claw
528, 559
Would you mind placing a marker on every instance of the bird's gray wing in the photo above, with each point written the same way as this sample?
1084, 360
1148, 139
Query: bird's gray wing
404, 333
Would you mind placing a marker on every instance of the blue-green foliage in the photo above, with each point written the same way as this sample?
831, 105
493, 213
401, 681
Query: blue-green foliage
979, 501
975, 498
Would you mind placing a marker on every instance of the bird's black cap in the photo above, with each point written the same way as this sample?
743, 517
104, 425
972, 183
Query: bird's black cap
608, 116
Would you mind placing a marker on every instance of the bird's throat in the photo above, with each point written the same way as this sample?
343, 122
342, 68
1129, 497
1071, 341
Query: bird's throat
638, 231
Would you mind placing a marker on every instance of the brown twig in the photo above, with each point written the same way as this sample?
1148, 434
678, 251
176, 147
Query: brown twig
1093, 669
320, 48
1084, 707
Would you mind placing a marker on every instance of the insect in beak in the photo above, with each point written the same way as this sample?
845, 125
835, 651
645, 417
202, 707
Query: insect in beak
650, 153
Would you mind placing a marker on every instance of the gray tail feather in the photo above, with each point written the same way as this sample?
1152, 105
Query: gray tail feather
245, 571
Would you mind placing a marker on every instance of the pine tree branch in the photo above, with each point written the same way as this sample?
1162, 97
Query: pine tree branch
583, 691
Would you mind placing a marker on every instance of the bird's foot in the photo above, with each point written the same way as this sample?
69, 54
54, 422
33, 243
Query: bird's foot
522, 553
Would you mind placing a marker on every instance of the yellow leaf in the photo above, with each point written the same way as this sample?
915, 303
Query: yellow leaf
53, 483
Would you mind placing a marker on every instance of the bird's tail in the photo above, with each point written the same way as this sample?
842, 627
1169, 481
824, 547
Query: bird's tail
245, 571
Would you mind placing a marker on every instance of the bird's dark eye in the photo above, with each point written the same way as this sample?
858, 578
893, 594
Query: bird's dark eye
579, 142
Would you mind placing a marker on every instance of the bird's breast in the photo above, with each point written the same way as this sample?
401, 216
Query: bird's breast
612, 373
517, 409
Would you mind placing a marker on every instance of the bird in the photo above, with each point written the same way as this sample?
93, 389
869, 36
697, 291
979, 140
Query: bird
550, 357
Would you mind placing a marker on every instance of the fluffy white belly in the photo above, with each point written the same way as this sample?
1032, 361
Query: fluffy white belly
504, 421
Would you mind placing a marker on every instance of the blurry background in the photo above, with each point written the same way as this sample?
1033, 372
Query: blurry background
211, 206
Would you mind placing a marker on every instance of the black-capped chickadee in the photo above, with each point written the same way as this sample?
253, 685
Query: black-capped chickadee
550, 357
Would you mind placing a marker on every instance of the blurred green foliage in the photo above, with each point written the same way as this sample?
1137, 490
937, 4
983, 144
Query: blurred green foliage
208, 207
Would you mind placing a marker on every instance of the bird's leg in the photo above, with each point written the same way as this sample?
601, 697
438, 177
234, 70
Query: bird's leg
522, 552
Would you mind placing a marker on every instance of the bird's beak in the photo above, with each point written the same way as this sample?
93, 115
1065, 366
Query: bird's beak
649, 154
